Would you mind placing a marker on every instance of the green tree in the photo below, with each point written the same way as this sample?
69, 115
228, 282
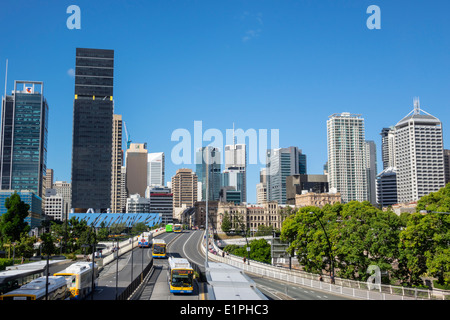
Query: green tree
48, 244
226, 222
139, 228
12, 223
25, 247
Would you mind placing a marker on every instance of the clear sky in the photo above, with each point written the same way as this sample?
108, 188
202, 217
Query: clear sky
261, 64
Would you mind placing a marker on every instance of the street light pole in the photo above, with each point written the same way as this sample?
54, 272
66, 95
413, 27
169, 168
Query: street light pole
207, 196
329, 247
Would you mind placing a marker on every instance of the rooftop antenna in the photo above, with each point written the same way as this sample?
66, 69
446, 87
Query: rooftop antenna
233, 136
6, 76
416, 106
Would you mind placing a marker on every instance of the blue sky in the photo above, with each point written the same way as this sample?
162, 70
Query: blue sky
262, 64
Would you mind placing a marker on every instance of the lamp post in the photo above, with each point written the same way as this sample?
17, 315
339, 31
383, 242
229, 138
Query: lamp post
329, 247
207, 196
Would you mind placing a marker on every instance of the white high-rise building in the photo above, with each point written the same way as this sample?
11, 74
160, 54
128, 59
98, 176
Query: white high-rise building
55, 205
236, 166
64, 189
419, 155
155, 169
347, 156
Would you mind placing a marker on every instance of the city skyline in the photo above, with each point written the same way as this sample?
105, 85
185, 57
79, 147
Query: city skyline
260, 65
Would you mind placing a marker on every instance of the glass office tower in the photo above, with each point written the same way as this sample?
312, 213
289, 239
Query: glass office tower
92, 130
23, 143
208, 163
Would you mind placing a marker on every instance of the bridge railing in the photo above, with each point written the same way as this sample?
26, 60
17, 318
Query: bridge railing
351, 288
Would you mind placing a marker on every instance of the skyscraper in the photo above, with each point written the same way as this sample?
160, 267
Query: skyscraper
419, 155
235, 173
155, 169
208, 163
92, 130
371, 169
23, 145
347, 156
184, 190
280, 164
116, 169
388, 147
136, 169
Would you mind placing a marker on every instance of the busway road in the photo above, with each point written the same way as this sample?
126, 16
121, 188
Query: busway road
157, 287
127, 267
272, 288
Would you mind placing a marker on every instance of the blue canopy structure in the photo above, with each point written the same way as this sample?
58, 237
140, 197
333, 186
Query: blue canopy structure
129, 219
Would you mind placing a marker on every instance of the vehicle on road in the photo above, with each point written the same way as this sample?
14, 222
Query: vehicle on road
144, 240
169, 227
159, 247
79, 279
37, 290
180, 276
177, 228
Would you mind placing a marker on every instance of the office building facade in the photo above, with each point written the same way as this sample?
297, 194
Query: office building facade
184, 188
208, 170
155, 169
386, 184
161, 201
347, 168
236, 169
116, 164
304, 183
280, 164
92, 130
419, 155
23, 141
136, 169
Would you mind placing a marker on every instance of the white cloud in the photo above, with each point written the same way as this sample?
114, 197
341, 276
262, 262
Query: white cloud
251, 34
71, 72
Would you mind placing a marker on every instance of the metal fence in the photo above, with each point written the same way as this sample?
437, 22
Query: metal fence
135, 283
351, 288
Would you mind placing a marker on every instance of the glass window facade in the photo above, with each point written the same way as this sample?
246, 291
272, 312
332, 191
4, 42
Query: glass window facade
92, 130
24, 139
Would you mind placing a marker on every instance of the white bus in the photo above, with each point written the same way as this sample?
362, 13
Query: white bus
79, 279
36, 290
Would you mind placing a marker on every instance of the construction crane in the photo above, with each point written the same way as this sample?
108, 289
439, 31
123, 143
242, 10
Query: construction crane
126, 132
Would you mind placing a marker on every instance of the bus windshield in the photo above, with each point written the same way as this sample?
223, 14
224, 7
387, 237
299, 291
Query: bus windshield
159, 248
182, 278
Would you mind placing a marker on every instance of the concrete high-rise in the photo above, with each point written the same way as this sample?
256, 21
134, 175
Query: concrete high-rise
136, 169
419, 155
280, 164
116, 168
386, 185
155, 169
347, 168
23, 139
371, 169
388, 147
235, 173
184, 188
92, 130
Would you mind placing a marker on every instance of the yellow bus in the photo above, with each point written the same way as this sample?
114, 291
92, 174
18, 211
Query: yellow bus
79, 279
177, 228
159, 248
180, 276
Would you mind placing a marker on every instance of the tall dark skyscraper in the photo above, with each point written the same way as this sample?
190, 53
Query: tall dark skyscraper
92, 130
23, 143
